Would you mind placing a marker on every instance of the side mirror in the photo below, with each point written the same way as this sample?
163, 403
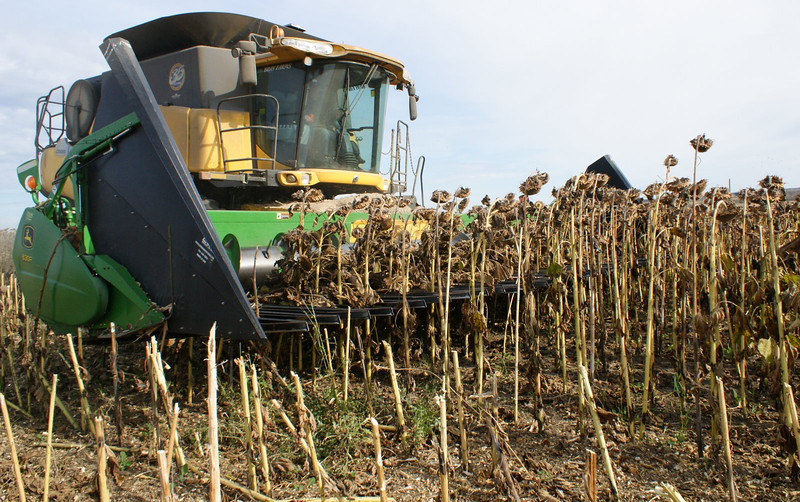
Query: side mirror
247, 69
412, 102
245, 52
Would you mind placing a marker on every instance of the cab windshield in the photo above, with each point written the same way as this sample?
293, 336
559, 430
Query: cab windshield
328, 115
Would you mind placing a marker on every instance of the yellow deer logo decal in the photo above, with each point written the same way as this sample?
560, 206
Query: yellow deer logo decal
27, 236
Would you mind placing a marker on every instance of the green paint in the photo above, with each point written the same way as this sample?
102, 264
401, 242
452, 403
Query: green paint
264, 228
56, 282
30, 168
128, 306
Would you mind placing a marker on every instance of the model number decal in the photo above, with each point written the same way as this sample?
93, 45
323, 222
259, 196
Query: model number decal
277, 67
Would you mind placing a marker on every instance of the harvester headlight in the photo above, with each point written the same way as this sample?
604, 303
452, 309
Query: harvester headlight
291, 178
30, 183
385, 185
318, 48
305, 179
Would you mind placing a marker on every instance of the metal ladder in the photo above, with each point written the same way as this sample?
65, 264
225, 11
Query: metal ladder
400, 159
253, 158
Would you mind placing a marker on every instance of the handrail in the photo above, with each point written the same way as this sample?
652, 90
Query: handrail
47, 118
253, 158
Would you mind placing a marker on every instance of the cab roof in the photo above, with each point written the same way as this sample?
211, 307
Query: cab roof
182, 31
219, 29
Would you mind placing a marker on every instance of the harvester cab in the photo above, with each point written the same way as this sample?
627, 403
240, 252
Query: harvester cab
161, 178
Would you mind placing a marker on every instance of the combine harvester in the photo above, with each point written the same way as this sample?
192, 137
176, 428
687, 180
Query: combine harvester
155, 184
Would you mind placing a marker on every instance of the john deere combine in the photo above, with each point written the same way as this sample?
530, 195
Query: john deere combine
155, 184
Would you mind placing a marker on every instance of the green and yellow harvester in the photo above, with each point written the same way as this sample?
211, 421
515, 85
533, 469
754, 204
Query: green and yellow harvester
155, 184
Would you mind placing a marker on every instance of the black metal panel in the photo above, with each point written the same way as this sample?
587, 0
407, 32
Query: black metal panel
281, 325
144, 211
215, 29
604, 165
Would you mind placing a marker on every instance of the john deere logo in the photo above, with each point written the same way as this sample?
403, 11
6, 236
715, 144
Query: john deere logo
177, 76
27, 236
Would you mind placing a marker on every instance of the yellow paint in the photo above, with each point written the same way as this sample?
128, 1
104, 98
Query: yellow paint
333, 176
49, 162
196, 134
281, 54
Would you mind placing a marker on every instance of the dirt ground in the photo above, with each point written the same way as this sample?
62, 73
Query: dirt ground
545, 465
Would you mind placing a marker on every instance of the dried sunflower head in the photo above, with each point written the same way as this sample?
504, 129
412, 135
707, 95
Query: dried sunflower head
533, 183
305, 263
774, 188
701, 143
357, 232
726, 215
477, 211
716, 194
677, 232
382, 219
314, 195
744, 193
486, 201
462, 193
440, 196
677, 184
771, 181
361, 202
698, 187
671, 161
333, 227
585, 182
503, 205
376, 203
652, 190
424, 213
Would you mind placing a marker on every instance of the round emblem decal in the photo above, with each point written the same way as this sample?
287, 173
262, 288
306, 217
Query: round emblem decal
177, 76
27, 236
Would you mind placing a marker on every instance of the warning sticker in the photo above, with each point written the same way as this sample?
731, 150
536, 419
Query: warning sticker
203, 251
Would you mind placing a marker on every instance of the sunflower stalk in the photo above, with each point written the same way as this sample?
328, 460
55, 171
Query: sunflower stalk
652, 238
579, 341
598, 430
776, 286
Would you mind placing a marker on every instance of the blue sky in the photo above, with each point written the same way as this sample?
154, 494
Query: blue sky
526, 86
